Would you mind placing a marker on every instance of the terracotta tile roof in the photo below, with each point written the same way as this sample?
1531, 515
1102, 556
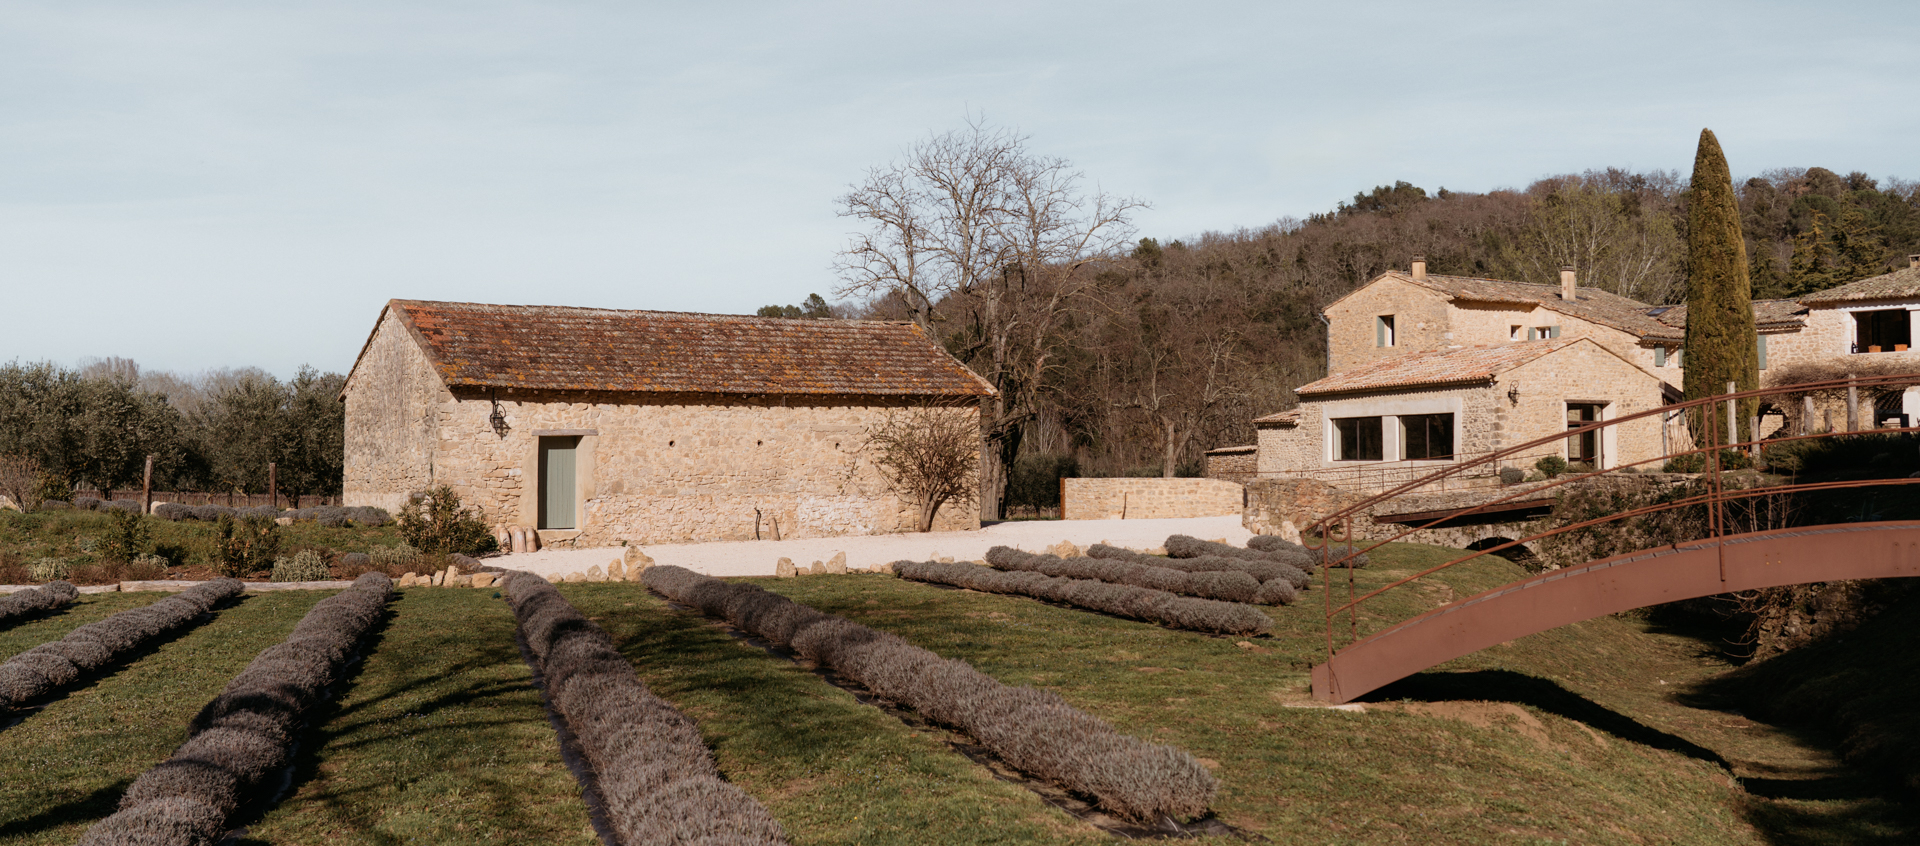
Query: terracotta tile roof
1899, 285
1434, 368
1290, 417
1767, 315
594, 349
1590, 304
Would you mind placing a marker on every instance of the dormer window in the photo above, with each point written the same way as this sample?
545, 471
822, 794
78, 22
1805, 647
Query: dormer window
1383, 331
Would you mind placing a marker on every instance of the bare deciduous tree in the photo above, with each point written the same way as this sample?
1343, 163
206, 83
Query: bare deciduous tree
929, 455
20, 481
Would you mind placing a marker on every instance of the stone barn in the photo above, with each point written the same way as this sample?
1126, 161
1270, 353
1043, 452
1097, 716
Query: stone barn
596, 426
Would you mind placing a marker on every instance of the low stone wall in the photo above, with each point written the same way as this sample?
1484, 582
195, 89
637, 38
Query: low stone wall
1234, 464
1149, 499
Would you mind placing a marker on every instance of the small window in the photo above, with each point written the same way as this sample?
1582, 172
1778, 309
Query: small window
1881, 330
1426, 437
1538, 333
1357, 439
1513, 332
1383, 331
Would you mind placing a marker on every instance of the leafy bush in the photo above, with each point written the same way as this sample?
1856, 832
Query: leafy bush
394, 556
305, 566
245, 545
48, 569
1033, 730
129, 536
240, 742
654, 770
52, 666
437, 522
173, 511
1696, 462
1550, 466
15, 606
1153, 606
1512, 475
1224, 585
53, 487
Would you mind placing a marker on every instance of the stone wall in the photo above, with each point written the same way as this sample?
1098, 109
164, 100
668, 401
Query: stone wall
1147, 499
1234, 464
651, 468
393, 399
1420, 318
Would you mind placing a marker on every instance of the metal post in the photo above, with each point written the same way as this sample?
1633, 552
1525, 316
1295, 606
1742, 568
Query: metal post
146, 488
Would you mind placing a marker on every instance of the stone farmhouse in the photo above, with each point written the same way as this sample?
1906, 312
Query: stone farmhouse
596, 426
1424, 369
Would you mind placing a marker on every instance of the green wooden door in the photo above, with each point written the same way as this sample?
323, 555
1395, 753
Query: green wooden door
557, 482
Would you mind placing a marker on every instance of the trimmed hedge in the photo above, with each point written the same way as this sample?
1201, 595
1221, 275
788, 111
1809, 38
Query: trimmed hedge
654, 770
1264, 570
52, 666
1277, 546
1153, 606
1033, 730
34, 600
1225, 585
1298, 557
243, 739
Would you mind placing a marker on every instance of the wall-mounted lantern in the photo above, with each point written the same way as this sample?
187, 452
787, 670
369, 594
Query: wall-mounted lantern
1513, 393
498, 419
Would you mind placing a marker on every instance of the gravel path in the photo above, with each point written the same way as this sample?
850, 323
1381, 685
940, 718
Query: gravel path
757, 558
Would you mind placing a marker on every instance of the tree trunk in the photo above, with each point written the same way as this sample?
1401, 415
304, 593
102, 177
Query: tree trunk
1170, 453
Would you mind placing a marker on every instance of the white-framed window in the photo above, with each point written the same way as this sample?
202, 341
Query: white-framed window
1426, 437
1882, 330
1358, 439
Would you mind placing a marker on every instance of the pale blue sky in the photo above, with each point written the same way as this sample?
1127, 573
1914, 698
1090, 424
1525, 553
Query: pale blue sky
198, 185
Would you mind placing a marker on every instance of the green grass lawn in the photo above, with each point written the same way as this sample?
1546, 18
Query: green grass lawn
1578, 735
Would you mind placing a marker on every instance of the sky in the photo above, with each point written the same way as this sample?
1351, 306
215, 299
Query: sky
226, 184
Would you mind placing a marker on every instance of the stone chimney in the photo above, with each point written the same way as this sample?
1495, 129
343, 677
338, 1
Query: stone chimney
1567, 286
1420, 266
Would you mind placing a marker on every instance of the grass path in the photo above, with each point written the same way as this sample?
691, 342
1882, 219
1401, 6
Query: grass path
67, 764
440, 739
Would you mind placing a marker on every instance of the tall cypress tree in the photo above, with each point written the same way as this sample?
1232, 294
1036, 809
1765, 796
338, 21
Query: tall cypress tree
1722, 346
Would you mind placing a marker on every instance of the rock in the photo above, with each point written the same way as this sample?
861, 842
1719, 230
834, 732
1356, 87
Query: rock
502, 537
1245, 644
439, 579
6, 504
283, 521
459, 581
637, 560
818, 569
1289, 532
634, 572
1158, 550
883, 568
576, 577
516, 542
943, 559
837, 565
407, 579
533, 540
483, 580
1064, 549
784, 568
616, 571
595, 574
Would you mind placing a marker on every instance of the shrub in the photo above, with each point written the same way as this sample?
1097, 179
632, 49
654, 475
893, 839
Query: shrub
1512, 475
1696, 462
53, 487
1153, 606
1219, 584
148, 566
353, 564
1550, 466
394, 556
245, 545
1290, 554
369, 516
305, 566
1271, 544
1282, 565
240, 742
129, 536
48, 569
52, 595
52, 666
86, 503
1033, 730
436, 522
173, 511
126, 506
654, 771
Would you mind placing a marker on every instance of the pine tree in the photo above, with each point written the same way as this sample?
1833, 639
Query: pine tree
1722, 346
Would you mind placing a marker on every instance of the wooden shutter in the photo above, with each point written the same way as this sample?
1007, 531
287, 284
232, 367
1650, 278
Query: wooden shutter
1763, 351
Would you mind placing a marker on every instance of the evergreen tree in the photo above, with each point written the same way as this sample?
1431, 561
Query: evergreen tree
1722, 346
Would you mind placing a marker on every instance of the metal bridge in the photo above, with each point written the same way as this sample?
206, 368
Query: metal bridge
1721, 562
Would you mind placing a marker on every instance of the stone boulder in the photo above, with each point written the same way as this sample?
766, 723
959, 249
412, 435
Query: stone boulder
595, 574
837, 565
784, 568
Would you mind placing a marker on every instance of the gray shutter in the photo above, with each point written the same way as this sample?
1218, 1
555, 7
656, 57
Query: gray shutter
1659, 356
1763, 351
557, 486
1379, 331
1553, 331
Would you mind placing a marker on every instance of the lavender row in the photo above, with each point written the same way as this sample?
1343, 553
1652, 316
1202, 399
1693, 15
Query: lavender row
1224, 585
654, 771
1033, 730
49, 667
47, 597
239, 743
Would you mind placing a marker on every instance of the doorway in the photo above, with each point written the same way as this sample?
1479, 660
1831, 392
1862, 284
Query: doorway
558, 482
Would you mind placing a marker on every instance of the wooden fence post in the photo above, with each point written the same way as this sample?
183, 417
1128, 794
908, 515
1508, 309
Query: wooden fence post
1806, 414
1733, 419
1853, 406
273, 492
146, 488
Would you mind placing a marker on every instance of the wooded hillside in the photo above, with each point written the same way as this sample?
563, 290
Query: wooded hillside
1158, 354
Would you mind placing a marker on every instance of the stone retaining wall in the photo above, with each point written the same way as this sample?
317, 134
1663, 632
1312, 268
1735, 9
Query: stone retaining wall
1149, 499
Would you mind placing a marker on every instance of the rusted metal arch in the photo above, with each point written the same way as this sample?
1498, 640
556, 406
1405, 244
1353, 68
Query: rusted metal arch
1620, 583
